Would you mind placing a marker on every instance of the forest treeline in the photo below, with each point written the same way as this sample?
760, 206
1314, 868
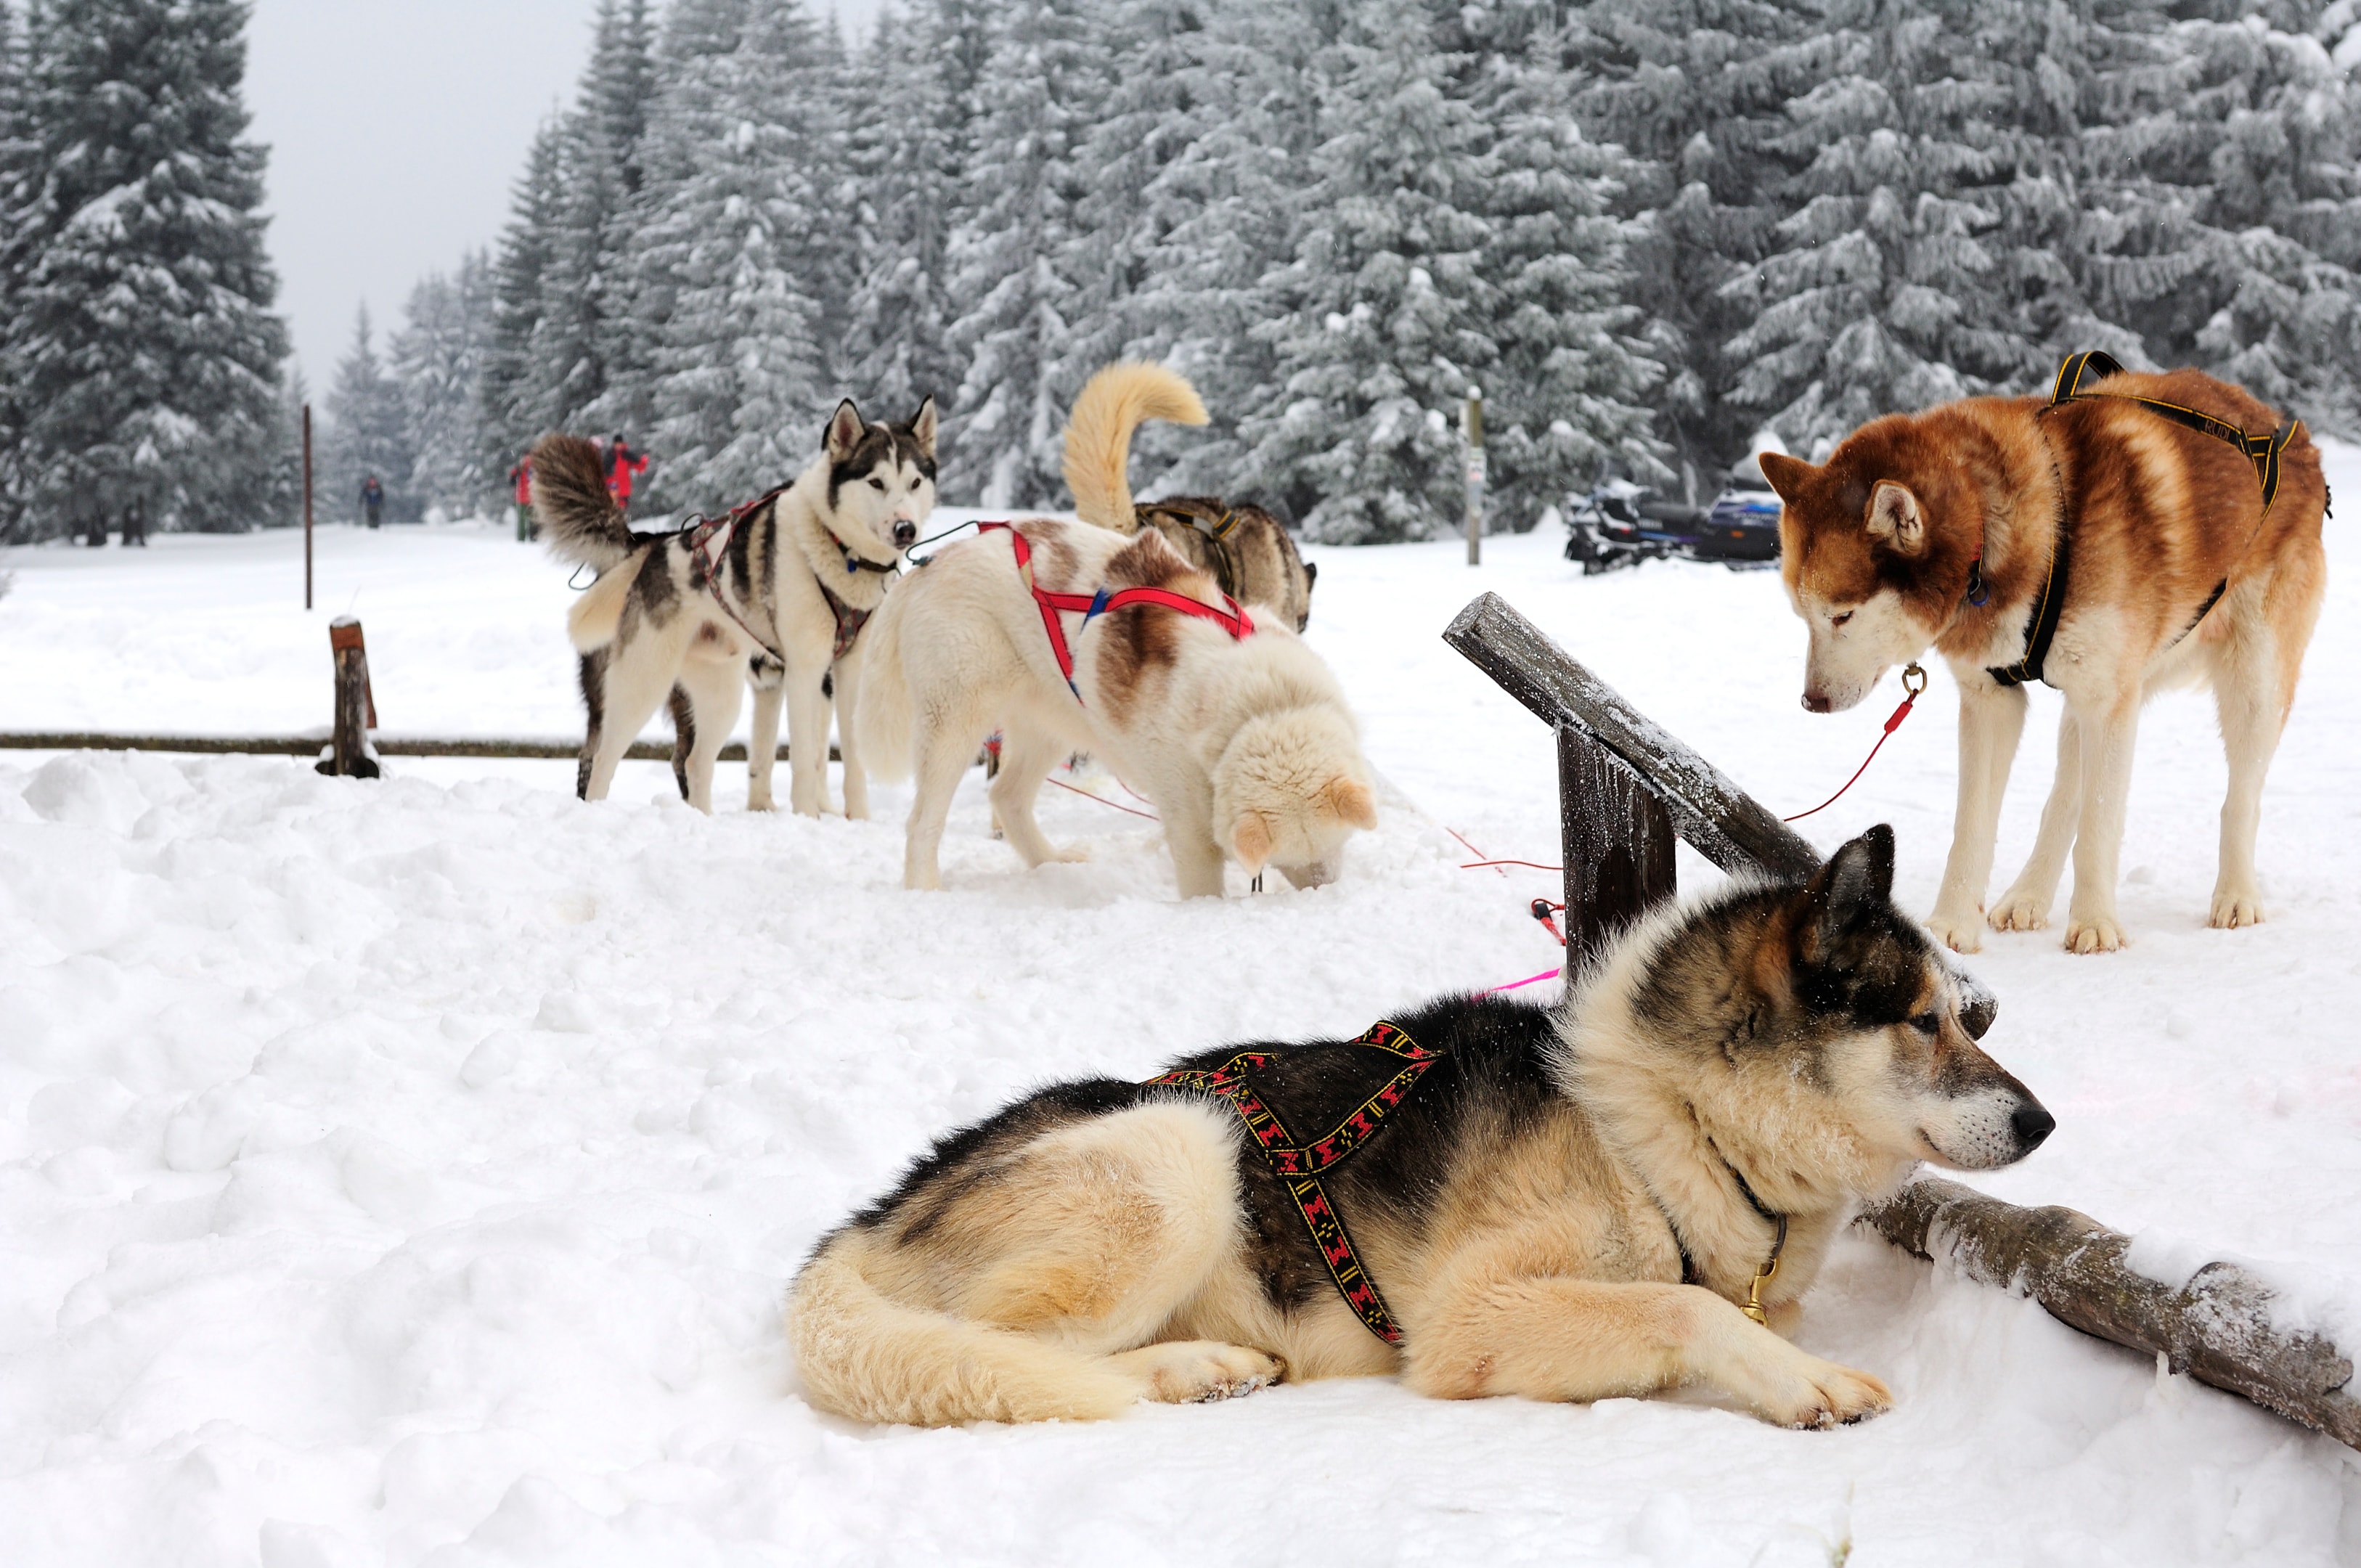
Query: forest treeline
1644, 228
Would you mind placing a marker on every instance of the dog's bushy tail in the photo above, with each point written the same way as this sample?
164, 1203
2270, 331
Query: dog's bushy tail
1098, 435
865, 1356
884, 720
578, 518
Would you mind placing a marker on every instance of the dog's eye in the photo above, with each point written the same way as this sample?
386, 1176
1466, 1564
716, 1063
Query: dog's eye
1837, 620
1927, 1023
877, 482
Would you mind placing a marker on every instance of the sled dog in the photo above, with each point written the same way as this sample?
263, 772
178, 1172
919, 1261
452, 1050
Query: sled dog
1244, 548
2126, 534
775, 596
1243, 743
1571, 1203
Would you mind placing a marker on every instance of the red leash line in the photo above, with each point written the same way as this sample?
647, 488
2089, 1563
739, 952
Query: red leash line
1892, 725
1479, 865
1469, 846
1102, 800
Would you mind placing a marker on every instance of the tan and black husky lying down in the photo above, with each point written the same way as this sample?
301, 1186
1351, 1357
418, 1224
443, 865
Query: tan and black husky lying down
1245, 549
1734, 1072
1244, 744
2089, 539
694, 616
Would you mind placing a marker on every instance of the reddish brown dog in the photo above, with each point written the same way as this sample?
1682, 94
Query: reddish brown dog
2160, 565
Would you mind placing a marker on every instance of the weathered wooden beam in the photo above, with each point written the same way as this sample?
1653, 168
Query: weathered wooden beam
1722, 821
349, 749
310, 745
1618, 839
2216, 1326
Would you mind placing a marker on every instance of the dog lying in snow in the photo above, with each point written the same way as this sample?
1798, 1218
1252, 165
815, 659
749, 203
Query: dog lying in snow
1243, 548
778, 599
1568, 1203
2112, 541
1227, 722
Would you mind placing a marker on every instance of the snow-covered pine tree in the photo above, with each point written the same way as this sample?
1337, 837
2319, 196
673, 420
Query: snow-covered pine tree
1383, 320
282, 496
1009, 298
1886, 291
738, 391
584, 350
906, 143
514, 411
437, 361
367, 433
1695, 90
145, 354
18, 175
1566, 393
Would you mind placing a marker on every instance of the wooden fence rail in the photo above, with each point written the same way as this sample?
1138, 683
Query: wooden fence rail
1625, 787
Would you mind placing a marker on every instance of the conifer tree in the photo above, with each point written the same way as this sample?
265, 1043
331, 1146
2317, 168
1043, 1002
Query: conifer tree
514, 409
19, 176
1381, 321
143, 351
438, 360
367, 434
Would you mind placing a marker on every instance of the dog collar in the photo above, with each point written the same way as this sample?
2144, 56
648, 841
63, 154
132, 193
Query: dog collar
853, 563
1770, 1270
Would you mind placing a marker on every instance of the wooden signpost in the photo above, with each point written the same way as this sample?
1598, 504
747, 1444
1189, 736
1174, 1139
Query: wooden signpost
1626, 788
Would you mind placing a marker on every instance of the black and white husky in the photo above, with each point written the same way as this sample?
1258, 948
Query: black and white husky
775, 595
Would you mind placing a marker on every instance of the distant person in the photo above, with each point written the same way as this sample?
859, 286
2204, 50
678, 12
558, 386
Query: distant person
522, 477
134, 523
96, 534
372, 501
623, 466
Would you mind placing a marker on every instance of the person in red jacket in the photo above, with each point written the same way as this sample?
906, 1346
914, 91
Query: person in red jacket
522, 477
623, 466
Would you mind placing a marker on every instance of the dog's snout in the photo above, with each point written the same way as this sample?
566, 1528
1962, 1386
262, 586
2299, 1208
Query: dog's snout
1816, 702
905, 534
2032, 1124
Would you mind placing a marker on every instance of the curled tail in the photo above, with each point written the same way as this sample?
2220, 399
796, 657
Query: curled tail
884, 720
1098, 435
578, 518
865, 1356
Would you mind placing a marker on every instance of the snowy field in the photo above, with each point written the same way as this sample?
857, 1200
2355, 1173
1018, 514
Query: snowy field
410, 1171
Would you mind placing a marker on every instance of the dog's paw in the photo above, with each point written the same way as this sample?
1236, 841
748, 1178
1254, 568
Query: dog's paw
1821, 1394
2233, 908
1197, 1372
2020, 909
762, 802
1962, 933
2095, 934
1071, 855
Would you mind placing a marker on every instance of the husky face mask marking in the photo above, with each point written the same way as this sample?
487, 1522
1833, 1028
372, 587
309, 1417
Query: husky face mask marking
1850, 542
881, 478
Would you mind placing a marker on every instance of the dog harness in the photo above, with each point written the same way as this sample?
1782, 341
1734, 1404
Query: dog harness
1215, 531
2092, 366
1234, 620
1297, 1163
708, 539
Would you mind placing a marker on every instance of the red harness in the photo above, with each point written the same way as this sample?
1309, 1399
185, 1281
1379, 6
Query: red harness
1234, 620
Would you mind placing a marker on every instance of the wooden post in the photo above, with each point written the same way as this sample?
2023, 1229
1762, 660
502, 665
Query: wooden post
1619, 845
356, 707
1472, 425
307, 506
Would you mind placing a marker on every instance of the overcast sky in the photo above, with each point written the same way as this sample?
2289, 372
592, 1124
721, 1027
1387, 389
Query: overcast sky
395, 127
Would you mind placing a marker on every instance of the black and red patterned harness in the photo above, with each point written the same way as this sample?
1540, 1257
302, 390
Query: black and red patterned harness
1234, 620
1297, 1163
708, 539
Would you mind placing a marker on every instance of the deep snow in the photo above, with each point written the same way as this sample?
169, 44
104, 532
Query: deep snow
412, 1171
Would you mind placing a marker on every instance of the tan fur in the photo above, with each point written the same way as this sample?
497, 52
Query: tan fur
2161, 514
1222, 735
1114, 405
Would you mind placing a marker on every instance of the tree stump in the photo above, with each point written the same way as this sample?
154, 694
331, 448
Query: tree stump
350, 755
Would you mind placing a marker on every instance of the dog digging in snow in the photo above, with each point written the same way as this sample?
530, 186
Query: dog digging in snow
2123, 535
775, 595
1067, 638
1246, 551
1626, 1192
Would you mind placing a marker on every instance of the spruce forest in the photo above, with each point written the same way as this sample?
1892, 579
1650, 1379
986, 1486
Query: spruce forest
1647, 229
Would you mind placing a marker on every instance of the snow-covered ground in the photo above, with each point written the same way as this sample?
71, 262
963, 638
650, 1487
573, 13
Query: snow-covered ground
410, 1171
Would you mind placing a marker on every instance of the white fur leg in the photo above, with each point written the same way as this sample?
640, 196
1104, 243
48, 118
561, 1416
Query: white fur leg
946, 745
1026, 757
1992, 722
714, 691
763, 746
2108, 740
1787, 1386
1195, 1372
807, 744
2247, 702
848, 704
637, 681
2026, 905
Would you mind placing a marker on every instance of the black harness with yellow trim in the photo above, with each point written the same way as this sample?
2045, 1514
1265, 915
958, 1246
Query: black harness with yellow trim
2081, 369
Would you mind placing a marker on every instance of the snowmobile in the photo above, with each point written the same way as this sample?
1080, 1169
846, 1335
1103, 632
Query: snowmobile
1620, 523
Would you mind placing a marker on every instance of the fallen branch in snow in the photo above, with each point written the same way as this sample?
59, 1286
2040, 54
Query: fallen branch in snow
311, 744
2216, 1326
1625, 788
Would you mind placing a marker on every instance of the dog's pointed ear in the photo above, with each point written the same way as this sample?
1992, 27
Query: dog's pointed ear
1857, 882
922, 426
1786, 474
844, 430
1311, 574
1351, 801
1896, 519
1251, 839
